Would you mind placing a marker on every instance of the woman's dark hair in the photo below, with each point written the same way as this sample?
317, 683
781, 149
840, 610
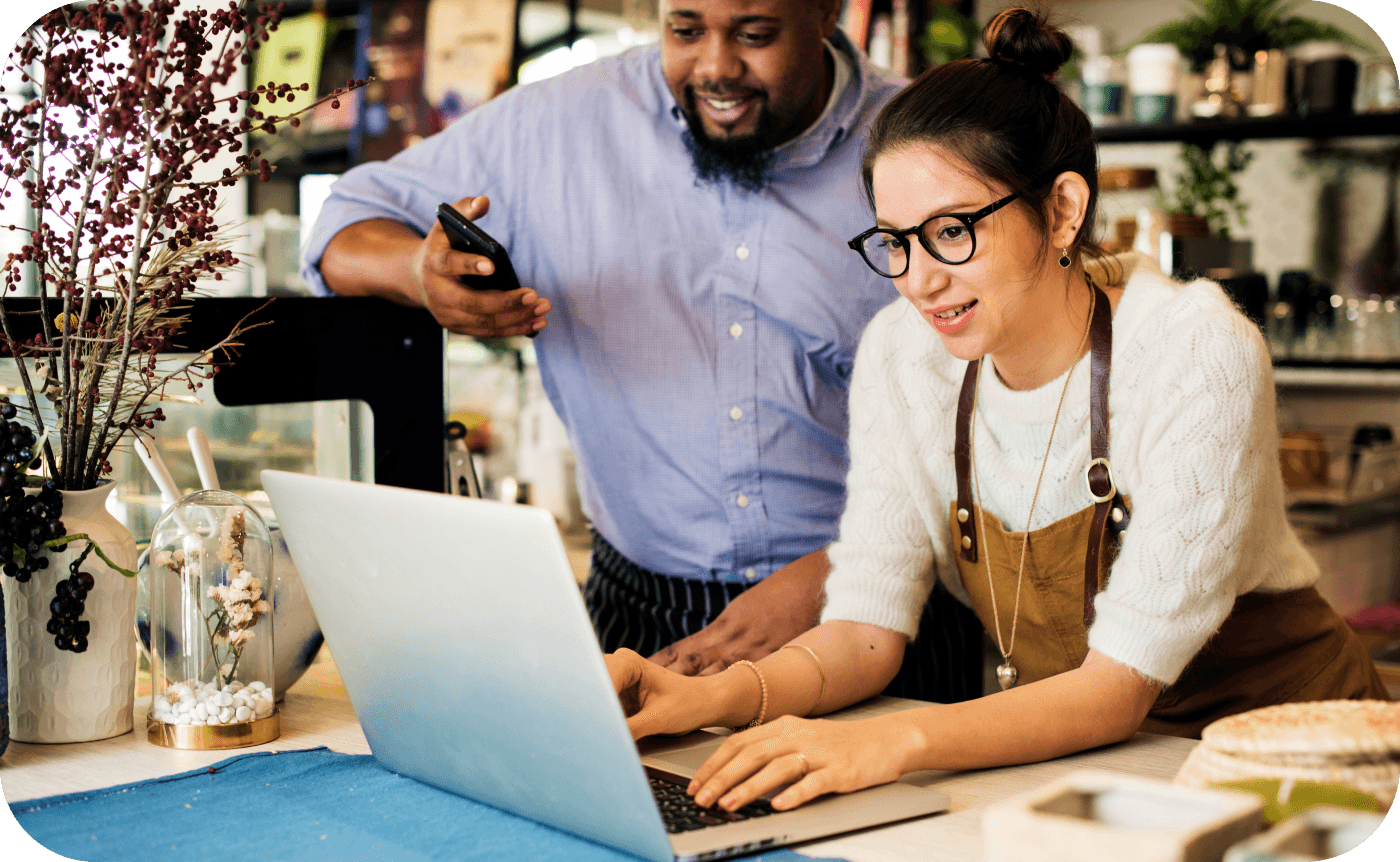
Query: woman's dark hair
1003, 116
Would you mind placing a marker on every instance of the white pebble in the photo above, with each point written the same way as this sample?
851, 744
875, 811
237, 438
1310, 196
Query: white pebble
243, 713
263, 710
201, 711
226, 714
182, 719
214, 719
225, 699
234, 687
257, 685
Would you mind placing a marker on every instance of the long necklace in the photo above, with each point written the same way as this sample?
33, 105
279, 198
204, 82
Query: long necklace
1006, 671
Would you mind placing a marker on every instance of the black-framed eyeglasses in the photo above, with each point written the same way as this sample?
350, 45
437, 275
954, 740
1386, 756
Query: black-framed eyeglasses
949, 237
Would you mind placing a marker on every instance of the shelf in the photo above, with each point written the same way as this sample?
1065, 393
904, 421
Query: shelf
1350, 374
1211, 131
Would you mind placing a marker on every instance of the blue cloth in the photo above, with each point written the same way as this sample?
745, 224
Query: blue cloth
300, 806
702, 338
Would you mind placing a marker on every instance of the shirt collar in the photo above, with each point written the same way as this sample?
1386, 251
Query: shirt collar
841, 113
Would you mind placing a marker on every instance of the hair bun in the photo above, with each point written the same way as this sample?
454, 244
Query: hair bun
1026, 38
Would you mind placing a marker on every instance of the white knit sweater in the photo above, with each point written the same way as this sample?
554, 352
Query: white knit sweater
1193, 440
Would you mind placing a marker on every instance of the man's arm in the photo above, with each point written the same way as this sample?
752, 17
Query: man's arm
760, 620
384, 258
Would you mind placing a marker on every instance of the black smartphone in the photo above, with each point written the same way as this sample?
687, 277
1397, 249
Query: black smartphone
465, 236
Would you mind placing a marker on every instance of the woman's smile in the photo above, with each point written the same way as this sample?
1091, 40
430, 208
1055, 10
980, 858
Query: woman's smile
948, 319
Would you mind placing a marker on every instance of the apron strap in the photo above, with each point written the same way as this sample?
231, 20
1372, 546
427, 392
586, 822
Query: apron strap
962, 458
1110, 511
1108, 501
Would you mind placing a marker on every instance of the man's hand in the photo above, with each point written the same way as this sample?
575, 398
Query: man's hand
388, 259
760, 620
436, 270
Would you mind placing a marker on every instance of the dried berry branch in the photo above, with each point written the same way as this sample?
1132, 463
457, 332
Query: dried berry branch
132, 105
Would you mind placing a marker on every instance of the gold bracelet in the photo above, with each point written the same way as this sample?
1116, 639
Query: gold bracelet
820, 669
762, 693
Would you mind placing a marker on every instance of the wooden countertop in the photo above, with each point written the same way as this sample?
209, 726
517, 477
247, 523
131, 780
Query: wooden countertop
317, 712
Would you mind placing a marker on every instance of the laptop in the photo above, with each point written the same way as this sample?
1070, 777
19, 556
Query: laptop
464, 645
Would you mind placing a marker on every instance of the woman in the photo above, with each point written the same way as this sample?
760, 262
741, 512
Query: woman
983, 179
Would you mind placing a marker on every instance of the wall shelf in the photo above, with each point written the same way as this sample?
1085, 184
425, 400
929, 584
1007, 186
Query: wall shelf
1206, 132
1342, 374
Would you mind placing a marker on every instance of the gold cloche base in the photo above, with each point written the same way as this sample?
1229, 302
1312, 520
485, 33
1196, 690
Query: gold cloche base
212, 737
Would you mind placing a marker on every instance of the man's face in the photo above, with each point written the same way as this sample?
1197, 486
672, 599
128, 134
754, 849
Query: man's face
749, 74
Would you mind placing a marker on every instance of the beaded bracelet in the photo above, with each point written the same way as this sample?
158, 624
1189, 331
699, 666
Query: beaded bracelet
820, 669
762, 692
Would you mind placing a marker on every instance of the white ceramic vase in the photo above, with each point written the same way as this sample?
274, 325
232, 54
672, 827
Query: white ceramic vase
62, 696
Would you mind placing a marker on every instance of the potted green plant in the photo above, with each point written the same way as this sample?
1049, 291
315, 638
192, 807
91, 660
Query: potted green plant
116, 155
1244, 26
1206, 193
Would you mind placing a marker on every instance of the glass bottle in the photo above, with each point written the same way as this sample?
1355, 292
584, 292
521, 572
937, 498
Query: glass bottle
212, 671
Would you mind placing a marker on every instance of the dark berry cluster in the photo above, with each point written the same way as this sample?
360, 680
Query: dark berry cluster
27, 521
69, 632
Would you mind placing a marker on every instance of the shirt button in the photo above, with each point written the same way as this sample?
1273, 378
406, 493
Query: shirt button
742, 500
750, 573
736, 330
742, 252
736, 414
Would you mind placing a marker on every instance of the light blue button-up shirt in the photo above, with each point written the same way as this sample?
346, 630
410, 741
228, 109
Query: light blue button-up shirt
702, 336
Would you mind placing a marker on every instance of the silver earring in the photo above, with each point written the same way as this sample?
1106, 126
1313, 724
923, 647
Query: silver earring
1064, 258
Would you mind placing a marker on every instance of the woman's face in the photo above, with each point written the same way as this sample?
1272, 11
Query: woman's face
989, 303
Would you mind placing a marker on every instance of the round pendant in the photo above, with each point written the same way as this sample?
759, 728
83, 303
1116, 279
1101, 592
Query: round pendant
1006, 675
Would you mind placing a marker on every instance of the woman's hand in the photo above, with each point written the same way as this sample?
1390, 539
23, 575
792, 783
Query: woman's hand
815, 757
656, 700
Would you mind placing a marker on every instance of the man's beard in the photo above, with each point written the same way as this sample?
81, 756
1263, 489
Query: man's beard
746, 160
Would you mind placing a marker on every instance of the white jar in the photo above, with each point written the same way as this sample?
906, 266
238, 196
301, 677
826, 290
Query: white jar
1154, 69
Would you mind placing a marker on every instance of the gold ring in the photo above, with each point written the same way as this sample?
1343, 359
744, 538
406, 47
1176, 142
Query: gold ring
805, 767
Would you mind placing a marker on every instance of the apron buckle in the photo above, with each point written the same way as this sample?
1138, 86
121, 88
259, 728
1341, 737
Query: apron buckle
1105, 475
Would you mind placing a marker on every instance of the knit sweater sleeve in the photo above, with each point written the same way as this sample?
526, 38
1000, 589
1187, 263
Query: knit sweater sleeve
1204, 467
881, 566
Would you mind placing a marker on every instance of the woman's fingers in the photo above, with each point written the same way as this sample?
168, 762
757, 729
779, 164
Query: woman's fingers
806, 789
746, 757
626, 677
654, 700
809, 757
783, 770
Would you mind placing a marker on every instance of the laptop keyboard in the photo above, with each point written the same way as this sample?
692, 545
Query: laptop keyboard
680, 813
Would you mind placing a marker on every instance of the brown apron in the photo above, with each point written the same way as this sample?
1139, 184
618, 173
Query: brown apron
1272, 648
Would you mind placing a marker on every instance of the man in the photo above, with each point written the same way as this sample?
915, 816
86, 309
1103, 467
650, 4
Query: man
678, 219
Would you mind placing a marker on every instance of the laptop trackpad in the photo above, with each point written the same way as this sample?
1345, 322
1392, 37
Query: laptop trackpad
679, 754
